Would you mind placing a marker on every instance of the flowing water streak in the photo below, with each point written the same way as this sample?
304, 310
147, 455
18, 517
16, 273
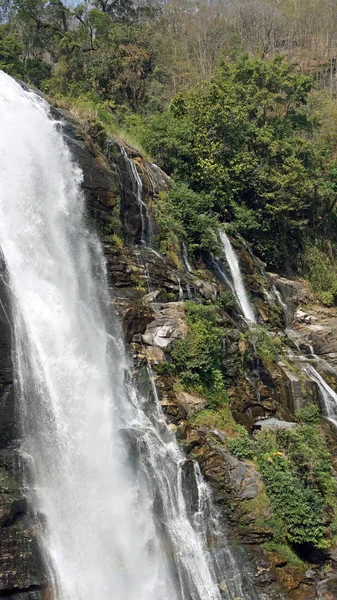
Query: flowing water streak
102, 470
239, 287
281, 304
328, 396
137, 188
186, 261
196, 505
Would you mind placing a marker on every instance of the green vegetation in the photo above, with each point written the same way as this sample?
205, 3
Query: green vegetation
299, 508
263, 344
245, 142
321, 270
242, 447
297, 474
197, 358
227, 302
286, 552
249, 142
220, 418
309, 414
187, 214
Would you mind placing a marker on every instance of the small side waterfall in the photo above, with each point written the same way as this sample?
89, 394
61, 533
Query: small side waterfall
238, 283
137, 185
104, 470
186, 261
328, 396
282, 304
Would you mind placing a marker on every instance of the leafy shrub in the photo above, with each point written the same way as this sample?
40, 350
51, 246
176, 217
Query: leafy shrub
296, 470
188, 214
234, 142
197, 358
322, 274
242, 448
221, 418
326, 298
309, 414
300, 508
306, 448
262, 343
227, 301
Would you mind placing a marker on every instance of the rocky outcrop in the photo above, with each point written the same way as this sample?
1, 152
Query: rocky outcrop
100, 183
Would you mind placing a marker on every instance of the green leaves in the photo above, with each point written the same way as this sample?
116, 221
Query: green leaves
197, 357
10, 51
299, 507
322, 274
297, 474
243, 140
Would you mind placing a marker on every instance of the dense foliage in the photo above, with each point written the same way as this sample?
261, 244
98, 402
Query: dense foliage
245, 143
297, 473
197, 358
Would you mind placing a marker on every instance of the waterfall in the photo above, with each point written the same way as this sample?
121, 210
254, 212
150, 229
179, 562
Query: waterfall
238, 283
281, 304
137, 188
186, 261
102, 469
328, 396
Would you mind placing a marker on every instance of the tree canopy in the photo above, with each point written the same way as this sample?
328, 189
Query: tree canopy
246, 140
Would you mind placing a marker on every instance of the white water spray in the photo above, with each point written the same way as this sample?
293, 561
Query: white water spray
104, 470
328, 396
239, 286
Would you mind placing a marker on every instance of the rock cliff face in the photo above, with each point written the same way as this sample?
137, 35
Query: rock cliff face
149, 291
21, 567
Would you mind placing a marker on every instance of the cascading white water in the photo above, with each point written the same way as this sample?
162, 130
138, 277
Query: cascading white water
238, 283
137, 185
104, 471
328, 396
186, 261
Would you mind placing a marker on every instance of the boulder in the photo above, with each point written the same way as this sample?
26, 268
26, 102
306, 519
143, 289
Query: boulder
190, 403
272, 424
302, 317
168, 326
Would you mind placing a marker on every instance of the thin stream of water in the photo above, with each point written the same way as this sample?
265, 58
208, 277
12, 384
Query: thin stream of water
239, 287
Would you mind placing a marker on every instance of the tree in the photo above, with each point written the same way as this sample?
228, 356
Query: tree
118, 10
243, 139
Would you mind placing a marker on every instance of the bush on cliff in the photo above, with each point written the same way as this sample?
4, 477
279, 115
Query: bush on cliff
321, 270
309, 414
297, 474
197, 358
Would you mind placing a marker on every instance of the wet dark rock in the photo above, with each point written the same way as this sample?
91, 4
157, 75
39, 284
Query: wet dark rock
21, 565
99, 179
327, 589
190, 486
135, 319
